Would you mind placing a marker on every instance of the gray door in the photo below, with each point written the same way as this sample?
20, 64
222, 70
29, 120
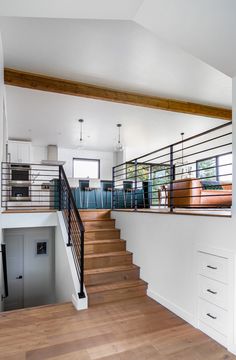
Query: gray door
30, 266
15, 271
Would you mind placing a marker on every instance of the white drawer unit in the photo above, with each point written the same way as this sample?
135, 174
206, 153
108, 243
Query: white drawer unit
215, 303
213, 291
213, 316
212, 266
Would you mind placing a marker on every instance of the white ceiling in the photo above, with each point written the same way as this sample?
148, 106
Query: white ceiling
49, 118
151, 46
119, 54
80, 9
204, 28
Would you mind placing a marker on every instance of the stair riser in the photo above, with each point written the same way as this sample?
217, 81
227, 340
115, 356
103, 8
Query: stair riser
102, 235
104, 248
108, 261
105, 278
110, 224
95, 215
116, 295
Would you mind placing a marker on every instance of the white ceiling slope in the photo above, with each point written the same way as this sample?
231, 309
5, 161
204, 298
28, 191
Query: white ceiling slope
203, 28
75, 9
51, 118
118, 54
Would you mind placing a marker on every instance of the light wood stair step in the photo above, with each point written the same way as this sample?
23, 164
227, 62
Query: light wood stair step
103, 246
111, 274
95, 261
100, 234
94, 214
116, 291
99, 224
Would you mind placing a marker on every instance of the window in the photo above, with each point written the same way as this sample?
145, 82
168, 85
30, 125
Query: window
215, 168
160, 176
143, 172
206, 169
86, 168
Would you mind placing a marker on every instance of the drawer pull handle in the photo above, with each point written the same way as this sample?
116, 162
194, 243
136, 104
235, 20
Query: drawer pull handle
212, 292
212, 267
211, 316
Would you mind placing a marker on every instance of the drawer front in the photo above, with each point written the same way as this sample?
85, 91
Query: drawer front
213, 291
213, 316
214, 267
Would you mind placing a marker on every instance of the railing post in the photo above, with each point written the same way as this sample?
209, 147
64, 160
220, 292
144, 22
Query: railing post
171, 178
59, 189
135, 184
81, 293
113, 188
69, 221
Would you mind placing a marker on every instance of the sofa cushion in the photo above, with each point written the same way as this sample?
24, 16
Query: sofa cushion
211, 185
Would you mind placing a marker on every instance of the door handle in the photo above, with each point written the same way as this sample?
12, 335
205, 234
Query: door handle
19, 277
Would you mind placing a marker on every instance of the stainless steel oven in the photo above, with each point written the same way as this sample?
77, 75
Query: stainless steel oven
20, 182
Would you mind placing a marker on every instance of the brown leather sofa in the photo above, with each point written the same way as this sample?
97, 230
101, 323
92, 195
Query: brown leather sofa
189, 193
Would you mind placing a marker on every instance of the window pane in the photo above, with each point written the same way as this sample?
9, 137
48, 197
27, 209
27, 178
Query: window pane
225, 168
86, 168
206, 169
143, 172
160, 177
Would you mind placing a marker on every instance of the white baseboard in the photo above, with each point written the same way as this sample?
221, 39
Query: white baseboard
232, 349
188, 317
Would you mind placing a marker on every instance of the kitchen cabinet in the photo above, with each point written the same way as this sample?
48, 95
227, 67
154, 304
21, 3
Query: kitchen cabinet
19, 151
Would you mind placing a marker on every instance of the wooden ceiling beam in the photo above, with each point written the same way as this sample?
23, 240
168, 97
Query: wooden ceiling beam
67, 87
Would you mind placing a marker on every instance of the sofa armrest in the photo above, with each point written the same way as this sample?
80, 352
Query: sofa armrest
186, 193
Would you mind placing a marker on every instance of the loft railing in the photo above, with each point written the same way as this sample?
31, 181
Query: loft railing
29, 186
194, 173
45, 187
74, 226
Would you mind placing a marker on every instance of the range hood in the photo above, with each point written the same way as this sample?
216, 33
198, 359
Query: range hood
52, 156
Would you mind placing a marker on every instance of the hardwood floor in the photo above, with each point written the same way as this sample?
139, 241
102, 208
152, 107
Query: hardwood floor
134, 329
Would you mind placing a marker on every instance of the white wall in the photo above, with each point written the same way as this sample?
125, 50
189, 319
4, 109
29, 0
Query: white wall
105, 157
164, 246
64, 287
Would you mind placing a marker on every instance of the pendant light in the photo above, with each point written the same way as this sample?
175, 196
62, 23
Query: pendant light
182, 135
119, 146
81, 140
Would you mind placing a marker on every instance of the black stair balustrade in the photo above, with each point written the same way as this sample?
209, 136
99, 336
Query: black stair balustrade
74, 226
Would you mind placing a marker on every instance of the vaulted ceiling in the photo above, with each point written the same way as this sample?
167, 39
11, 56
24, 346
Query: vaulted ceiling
182, 49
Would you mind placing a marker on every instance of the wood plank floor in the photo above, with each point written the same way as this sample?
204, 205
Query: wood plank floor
127, 330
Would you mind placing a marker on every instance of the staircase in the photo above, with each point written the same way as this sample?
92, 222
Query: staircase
109, 273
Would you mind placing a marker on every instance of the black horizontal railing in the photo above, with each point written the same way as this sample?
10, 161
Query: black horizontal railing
41, 186
194, 173
27, 186
74, 226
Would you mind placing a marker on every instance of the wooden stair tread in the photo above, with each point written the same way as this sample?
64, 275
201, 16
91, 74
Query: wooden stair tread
98, 220
105, 241
110, 269
94, 210
100, 230
115, 286
109, 254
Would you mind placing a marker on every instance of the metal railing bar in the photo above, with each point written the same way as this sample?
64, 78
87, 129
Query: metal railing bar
180, 142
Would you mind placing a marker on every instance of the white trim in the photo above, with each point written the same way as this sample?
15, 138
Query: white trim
176, 309
79, 304
220, 338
